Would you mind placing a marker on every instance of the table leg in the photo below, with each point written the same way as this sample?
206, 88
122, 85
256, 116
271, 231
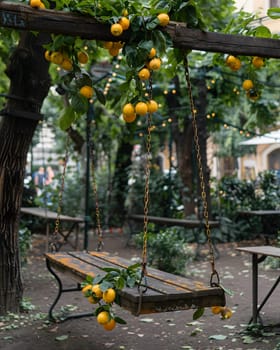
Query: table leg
255, 287
47, 235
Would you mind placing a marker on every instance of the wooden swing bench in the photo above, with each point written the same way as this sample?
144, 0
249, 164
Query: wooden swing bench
165, 292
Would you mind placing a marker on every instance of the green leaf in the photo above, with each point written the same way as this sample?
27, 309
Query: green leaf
100, 96
97, 279
67, 117
218, 337
109, 269
79, 103
226, 290
119, 320
120, 283
152, 24
198, 313
62, 337
104, 285
262, 32
274, 12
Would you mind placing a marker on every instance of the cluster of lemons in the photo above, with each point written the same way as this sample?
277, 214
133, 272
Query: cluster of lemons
116, 30
153, 63
95, 295
63, 60
234, 63
224, 311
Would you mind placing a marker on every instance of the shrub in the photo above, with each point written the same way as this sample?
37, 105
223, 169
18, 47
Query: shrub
167, 250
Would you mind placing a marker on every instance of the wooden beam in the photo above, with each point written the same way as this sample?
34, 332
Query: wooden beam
23, 17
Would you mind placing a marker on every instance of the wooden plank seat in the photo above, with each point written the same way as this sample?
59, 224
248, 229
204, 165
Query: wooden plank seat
165, 292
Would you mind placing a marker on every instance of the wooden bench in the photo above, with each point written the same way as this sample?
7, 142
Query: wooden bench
165, 292
259, 254
171, 222
50, 216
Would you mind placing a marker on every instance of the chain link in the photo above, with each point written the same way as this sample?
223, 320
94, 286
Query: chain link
201, 177
100, 242
147, 182
53, 245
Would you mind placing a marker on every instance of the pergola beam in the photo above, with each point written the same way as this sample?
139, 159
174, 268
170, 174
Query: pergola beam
23, 17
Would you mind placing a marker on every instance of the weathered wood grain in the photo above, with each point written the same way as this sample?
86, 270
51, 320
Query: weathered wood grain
23, 17
165, 292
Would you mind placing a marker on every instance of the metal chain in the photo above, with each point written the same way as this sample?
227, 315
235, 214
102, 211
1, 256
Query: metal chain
100, 242
147, 183
214, 273
53, 245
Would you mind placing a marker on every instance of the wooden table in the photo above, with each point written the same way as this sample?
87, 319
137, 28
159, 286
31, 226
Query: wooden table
49, 216
267, 218
259, 253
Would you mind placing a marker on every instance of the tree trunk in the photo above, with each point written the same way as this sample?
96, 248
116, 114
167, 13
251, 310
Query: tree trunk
183, 138
28, 73
120, 183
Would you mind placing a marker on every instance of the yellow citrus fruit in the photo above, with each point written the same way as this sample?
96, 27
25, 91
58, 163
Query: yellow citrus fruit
124, 22
257, 62
92, 299
141, 108
152, 106
152, 53
87, 92
109, 295
114, 51
247, 84
118, 45
97, 290
107, 44
155, 63
233, 62
35, 3
110, 325
82, 57
226, 313
116, 29
66, 64
47, 55
103, 317
86, 288
129, 118
144, 74
216, 309
163, 19
56, 57
128, 109
125, 13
